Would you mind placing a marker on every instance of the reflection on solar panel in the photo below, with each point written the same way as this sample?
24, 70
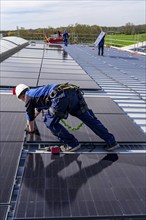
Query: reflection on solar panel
88, 85
19, 75
12, 126
82, 186
3, 212
19, 69
12, 82
67, 77
9, 103
10, 45
64, 71
9, 158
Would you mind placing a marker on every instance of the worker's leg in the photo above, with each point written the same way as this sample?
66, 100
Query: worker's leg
99, 50
58, 130
102, 50
97, 127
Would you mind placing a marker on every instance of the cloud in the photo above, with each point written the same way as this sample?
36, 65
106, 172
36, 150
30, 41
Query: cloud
34, 14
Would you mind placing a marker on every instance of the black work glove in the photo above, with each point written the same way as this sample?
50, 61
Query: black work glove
28, 132
35, 131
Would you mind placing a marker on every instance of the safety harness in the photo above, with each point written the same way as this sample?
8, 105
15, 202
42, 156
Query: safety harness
60, 88
83, 106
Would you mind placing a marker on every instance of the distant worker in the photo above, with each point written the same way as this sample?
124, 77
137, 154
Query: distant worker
101, 47
65, 37
59, 34
60, 100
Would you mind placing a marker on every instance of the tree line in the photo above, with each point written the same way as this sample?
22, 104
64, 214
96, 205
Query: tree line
76, 30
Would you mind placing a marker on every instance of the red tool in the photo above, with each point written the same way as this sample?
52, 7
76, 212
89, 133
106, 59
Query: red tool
14, 91
55, 150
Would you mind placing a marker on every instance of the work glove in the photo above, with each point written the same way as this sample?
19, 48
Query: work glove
35, 131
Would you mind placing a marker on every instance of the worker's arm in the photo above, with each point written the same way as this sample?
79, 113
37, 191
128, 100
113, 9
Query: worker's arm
31, 124
36, 113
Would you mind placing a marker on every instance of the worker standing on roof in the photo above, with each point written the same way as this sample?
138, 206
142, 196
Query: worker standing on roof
101, 47
61, 100
65, 37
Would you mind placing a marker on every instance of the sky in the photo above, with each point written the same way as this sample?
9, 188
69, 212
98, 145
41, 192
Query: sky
32, 14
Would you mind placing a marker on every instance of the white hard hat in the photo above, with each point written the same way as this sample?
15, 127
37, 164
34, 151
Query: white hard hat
20, 88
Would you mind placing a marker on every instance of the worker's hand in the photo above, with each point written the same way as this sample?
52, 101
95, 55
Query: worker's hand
35, 131
28, 131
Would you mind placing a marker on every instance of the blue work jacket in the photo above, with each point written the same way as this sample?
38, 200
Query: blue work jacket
35, 98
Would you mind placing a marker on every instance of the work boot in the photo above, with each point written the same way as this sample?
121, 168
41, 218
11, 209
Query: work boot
112, 147
67, 148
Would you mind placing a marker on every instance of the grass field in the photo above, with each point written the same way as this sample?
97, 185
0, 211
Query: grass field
121, 40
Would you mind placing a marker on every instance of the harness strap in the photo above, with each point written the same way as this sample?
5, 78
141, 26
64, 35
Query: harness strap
61, 88
70, 127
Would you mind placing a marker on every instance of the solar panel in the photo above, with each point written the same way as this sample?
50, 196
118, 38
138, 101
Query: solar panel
18, 68
82, 186
7, 64
9, 157
47, 63
10, 103
123, 128
103, 105
98, 104
67, 71
18, 60
88, 85
54, 54
67, 77
19, 74
3, 212
58, 66
63, 61
29, 53
12, 126
12, 82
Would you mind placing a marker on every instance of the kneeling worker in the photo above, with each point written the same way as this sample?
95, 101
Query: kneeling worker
61, 100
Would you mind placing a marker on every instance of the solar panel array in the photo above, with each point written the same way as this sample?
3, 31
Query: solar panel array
12, 125
67, 186
36, 67
9, 46
82, 187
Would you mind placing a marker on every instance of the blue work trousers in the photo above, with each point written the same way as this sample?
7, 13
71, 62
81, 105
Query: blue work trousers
66, 42
68, 102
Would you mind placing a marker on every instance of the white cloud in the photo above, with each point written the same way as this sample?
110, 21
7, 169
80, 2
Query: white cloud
34, 14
